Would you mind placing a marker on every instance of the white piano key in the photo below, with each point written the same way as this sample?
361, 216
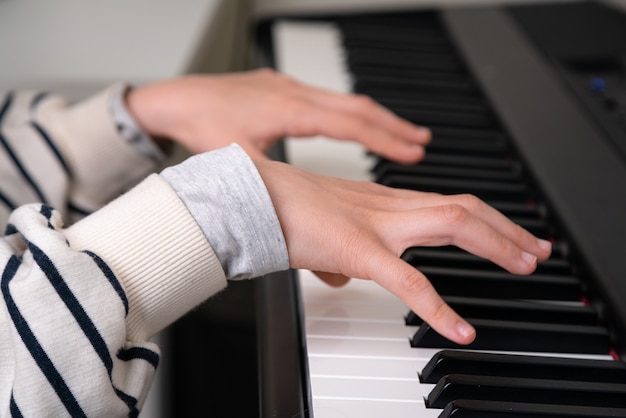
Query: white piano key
366, 367
351, 408
368, 388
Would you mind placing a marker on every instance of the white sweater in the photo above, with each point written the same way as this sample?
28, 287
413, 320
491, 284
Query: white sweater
80, 304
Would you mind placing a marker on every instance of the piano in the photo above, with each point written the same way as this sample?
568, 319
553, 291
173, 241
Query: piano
526, 104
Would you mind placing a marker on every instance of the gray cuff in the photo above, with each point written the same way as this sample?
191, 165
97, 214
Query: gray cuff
129, 130
225, 194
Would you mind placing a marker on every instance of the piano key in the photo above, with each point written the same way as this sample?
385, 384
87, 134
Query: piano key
487, 409
462, 259
460, 161
533, 367
333, 407
517, 310
392, 89
363, 57
449, 171
428, 117
523, 336
507, 191
403, 37
541, 391
463, 92
451, 281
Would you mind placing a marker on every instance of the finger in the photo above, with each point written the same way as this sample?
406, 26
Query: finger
503, 225
405, 200
416, 291
366, 107
454, 225
332, 279
314, 120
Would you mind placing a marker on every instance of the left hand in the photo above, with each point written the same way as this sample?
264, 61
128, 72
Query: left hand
257, 108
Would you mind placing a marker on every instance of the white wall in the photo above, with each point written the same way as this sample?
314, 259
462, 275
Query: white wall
76, 45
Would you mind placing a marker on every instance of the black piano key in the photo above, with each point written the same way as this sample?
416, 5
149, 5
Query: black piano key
463, 83
513, 209
517, 310
388, 84
429, 117
465, 408
439, 257
524, 366
541, 391
454, 172
403, 37
499, 284
522, 336
470, 161
410, 59
507, 191
466, 147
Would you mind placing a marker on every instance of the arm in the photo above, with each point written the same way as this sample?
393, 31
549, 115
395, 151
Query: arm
118, 288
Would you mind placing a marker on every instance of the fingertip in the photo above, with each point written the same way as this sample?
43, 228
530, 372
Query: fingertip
465, 333
424, 135
546, 247
409, 153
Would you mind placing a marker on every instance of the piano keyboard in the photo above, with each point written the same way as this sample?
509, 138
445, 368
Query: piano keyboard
541, 349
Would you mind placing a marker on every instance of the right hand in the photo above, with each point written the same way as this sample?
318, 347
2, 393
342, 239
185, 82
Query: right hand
360, 229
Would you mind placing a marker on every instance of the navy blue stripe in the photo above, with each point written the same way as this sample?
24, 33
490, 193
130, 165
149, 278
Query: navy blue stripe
52, 147
33, 346
10, 230
7, 202
15, 410
5, 106
37, 99
134, 353
46, 211
74, 306
108, 273
7, 103
22, 169
130, 401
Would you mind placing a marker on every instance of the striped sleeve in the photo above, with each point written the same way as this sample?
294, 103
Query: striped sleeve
72, 157
69, 354
80, 305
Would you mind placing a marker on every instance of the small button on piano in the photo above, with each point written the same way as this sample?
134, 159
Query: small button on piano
526, 108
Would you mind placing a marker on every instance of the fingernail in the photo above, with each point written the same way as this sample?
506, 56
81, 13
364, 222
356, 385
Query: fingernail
545, 245
464, 329
529, 258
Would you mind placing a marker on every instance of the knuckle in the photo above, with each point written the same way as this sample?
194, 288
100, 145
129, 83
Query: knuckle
414, 284
364, 102
469, 201
454, 214
440, 311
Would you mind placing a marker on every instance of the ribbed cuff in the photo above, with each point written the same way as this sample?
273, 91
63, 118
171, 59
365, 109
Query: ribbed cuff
225, 194
157, 251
